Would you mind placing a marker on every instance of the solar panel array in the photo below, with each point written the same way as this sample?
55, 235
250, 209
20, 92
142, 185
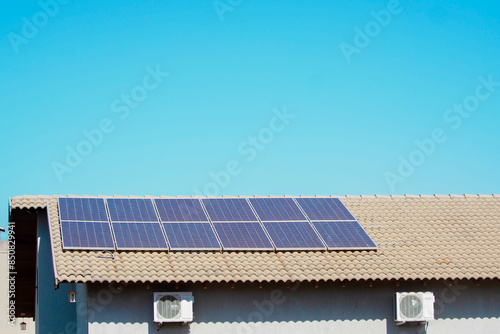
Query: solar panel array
210, 224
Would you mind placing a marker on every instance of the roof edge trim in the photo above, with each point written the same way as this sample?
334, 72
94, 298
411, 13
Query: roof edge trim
54, 265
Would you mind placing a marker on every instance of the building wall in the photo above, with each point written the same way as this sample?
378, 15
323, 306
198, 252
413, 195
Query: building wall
54, 313
461, 308
5, 327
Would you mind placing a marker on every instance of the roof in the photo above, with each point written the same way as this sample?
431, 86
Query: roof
421, 237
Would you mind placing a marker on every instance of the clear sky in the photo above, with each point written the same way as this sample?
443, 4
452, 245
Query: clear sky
249, 97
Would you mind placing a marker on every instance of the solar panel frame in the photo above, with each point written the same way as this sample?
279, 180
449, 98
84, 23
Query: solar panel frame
227, 210
228, 230
180, 210
344, 235
131, 210
82, 209
294, 235
324, 209
90, 229
174, 230
135, 236
277, 209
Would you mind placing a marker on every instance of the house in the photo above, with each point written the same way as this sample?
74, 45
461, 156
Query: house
442, 245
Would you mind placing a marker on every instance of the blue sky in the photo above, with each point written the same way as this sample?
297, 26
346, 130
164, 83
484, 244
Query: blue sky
294, 97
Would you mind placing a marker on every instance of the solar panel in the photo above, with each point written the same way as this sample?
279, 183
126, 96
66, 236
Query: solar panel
344, 235
131, 210
86, 235
191, 236
324, 209
243, 236
180, 210
139, 235
82, 209
293, 235
229, 210
276, 209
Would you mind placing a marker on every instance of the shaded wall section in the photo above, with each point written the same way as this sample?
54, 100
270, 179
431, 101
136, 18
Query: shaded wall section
24, 225
302, 308
54, 313
5, 326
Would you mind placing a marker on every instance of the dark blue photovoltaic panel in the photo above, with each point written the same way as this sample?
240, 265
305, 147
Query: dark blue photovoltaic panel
293, 235
229, 210
186, 236
131, 210
276, 209
139, 235
82, 209
86, 235
347, 234
246, 236
180, 210
324, 209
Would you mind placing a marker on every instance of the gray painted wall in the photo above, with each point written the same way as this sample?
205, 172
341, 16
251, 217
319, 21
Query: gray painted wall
462, 308
54, 313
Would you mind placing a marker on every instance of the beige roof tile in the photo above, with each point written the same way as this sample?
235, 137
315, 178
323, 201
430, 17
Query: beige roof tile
418, 237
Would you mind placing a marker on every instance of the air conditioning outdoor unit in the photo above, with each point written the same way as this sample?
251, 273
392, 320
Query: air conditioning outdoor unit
413, 307
173, 307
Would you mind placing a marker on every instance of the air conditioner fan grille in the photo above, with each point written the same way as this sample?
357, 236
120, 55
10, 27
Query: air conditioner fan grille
411, 306
169, 307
